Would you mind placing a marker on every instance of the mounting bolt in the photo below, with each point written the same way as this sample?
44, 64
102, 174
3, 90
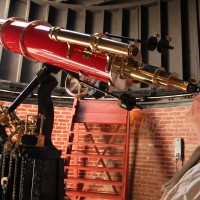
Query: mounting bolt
156, 35
169, 38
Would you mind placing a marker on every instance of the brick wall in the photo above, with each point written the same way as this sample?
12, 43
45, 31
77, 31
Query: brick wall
153, 131
61, 122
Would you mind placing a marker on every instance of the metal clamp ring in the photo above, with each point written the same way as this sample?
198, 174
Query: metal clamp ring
156, 74
94, 41
23, 34
171, 76
53, 33
121, 73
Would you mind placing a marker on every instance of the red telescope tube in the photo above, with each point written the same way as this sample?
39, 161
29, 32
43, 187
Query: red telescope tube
91, 55
31, 39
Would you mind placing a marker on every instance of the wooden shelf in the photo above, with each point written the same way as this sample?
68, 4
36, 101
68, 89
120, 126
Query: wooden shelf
98, 158
94, 181
94, 195
95, 156
94, 169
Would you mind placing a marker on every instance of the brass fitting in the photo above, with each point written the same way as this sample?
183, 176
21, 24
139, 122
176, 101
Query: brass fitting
4, 182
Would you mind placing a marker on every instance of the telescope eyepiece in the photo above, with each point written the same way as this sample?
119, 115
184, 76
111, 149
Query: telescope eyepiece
192, 88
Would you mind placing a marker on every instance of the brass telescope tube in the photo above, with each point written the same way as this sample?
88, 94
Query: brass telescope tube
156, 76
96, 42
123, 62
